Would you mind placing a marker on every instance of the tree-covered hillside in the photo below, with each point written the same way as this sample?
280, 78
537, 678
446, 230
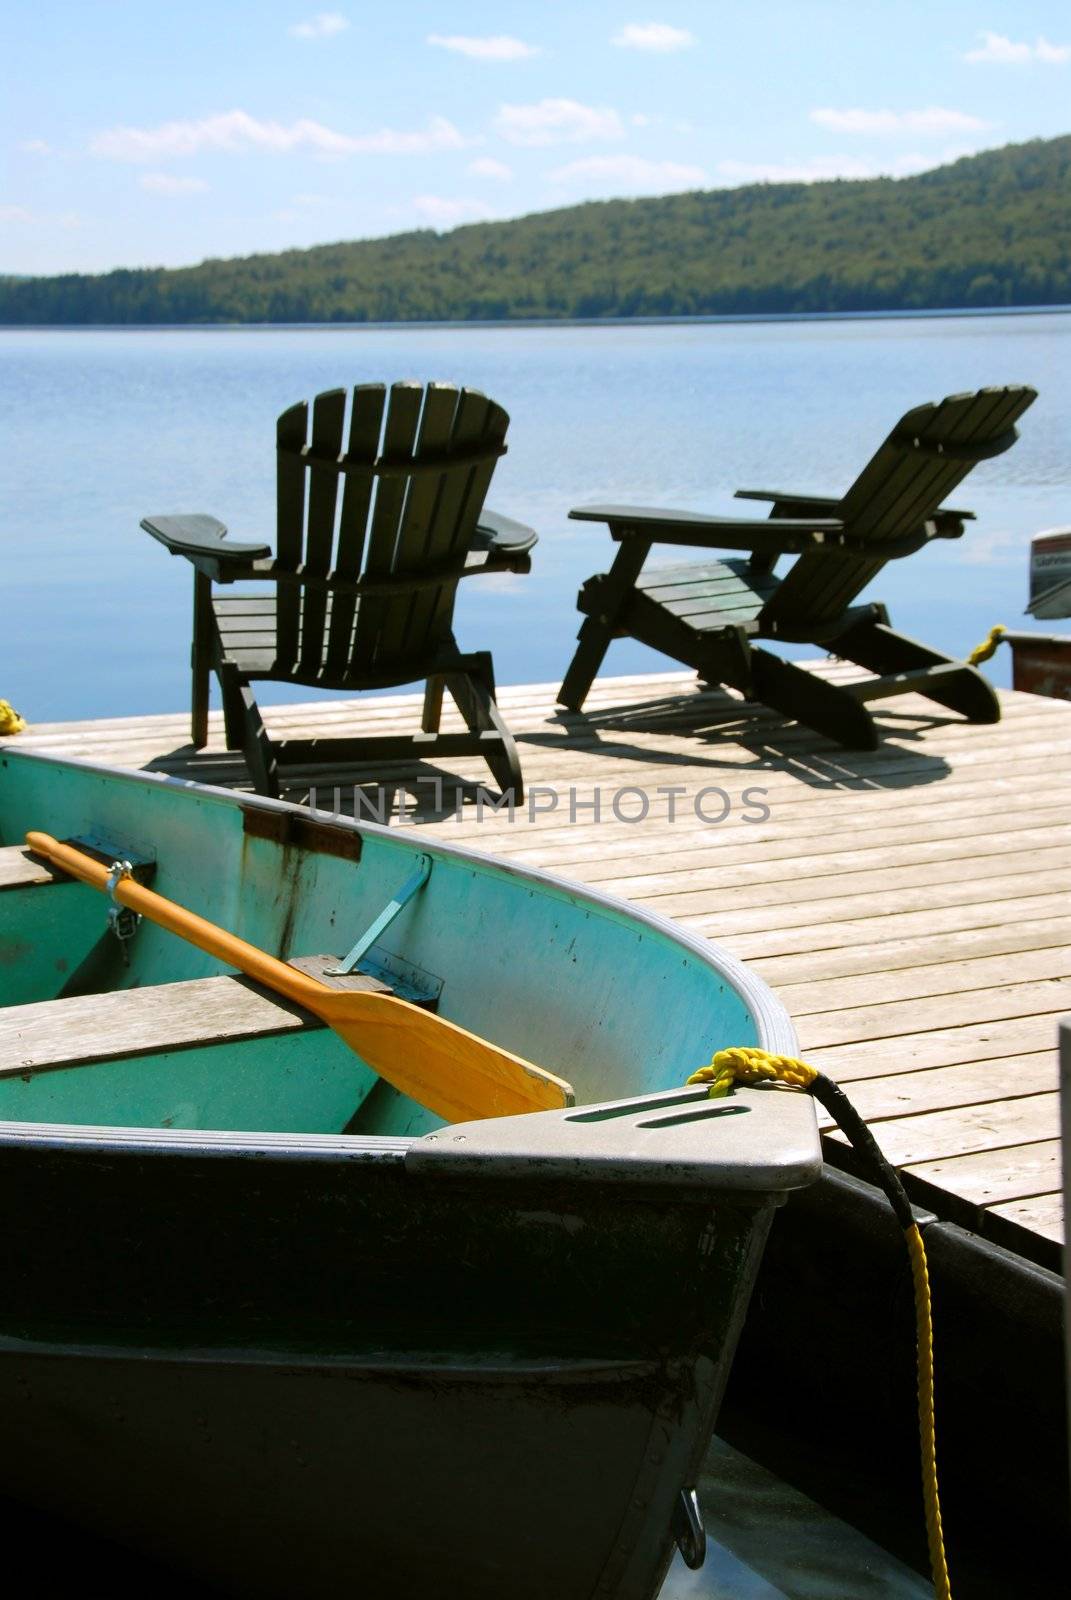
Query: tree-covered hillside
989, 230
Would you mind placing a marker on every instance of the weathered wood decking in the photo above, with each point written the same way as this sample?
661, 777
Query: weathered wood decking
909, 905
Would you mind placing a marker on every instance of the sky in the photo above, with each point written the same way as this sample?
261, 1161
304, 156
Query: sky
136, 133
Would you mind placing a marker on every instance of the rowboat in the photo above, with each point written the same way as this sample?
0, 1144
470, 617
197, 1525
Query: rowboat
268, 1319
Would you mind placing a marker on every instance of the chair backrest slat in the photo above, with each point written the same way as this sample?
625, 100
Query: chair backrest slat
480, 423
290, 433
416, 544
366, 421
399, 436
899, 489
328, 416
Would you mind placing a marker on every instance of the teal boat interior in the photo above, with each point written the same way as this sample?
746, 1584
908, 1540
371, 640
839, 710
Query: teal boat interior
148, 1031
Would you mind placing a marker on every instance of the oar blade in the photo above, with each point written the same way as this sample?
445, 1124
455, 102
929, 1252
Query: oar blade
452, 1072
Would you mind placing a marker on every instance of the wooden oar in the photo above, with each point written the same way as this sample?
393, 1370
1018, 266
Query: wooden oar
450, 1071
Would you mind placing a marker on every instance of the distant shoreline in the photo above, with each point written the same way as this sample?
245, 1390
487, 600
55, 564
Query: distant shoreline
932, 313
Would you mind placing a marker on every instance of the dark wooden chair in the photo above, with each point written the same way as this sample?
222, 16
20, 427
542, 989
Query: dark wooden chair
372, 540
708, 614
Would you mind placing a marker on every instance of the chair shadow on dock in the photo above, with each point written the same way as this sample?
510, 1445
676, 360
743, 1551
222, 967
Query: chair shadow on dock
415, 793
718, 725
709, 730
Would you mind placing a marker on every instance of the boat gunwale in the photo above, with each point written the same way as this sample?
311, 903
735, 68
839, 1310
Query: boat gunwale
772, 1022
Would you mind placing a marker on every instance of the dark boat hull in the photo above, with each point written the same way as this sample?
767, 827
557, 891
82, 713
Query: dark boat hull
306, 1373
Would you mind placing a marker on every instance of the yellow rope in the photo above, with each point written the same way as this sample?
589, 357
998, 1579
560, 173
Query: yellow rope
740, 1064
920, 1278
10, 721
988, 646
743, 1064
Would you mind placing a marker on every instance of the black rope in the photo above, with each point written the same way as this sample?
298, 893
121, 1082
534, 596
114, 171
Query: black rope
861, 1139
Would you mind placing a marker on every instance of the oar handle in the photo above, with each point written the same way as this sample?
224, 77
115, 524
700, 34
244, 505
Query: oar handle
216, 941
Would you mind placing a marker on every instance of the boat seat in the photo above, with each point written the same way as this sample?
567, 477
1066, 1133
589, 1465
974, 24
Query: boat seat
83, 1029
217, 1053
19, 869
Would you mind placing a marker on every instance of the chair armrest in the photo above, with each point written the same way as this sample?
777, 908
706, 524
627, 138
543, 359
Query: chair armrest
810, 504
203, 540
785, 536
503, 543
787, 504
503, 535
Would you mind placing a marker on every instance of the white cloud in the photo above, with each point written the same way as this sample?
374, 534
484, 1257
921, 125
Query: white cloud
324, 25
445, 213
166, 183
496, 47
658, 36
995, 47
992, 547
633, 173
932, 120
557, 122
821, 169
488, 167
235, 131
22, 216
36, 147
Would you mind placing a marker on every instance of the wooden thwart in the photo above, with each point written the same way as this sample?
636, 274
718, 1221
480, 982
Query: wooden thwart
169, 1016
21, 870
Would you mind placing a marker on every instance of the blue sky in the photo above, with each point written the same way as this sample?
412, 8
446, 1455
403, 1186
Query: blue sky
140, 134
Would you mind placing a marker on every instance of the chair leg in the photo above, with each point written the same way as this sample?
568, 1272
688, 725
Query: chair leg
608, 593
433, 704
473, 692
230, 686
881, 649
811, 700
246, 730
200, 659
259, 753
594, 637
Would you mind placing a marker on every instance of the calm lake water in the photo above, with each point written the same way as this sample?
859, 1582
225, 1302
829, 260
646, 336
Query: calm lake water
101, 427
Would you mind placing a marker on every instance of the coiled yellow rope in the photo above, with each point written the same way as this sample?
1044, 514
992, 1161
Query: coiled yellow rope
742, 1064
10, 721
988, 646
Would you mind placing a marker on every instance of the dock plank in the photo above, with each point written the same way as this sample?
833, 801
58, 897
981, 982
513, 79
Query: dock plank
967, 1130
908, 1094
988, 1176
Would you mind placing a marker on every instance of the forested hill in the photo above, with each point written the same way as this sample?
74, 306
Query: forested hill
989, 230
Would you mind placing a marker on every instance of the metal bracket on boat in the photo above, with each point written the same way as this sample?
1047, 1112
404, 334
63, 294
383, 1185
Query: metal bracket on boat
416, 881
688, 1530
121, 920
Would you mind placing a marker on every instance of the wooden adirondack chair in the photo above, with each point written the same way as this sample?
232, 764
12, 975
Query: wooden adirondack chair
708, 614
371, 605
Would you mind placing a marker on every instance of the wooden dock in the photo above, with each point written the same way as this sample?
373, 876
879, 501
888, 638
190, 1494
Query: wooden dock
909, 905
